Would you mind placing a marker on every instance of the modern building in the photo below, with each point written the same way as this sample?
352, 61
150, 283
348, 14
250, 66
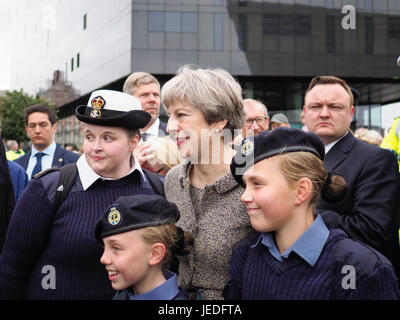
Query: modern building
273, 47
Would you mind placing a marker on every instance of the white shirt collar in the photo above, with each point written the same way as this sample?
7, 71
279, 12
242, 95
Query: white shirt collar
153, 130
49, 150
88, 176
330, 145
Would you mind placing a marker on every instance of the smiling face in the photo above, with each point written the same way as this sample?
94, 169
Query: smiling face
40, 130
256, 120
126, 258
186, 126
108, 150
268, 197
328, 111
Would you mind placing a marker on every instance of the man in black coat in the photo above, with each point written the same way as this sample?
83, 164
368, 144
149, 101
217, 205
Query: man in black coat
40, 125
7, 197
370, 210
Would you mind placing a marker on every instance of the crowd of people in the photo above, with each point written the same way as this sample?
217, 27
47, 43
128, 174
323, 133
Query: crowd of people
220, 202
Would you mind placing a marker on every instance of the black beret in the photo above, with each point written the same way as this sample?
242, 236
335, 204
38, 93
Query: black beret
271, 143
135, 212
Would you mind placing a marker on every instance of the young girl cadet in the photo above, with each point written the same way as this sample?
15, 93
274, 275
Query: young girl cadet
52, 254
294, 255
140, 237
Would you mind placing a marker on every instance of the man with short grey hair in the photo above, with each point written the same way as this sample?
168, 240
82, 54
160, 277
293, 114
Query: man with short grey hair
257, 119
146, 88
279, 120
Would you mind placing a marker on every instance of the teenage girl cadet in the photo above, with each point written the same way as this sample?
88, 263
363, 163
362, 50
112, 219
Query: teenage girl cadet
53, 254
140, 237
294, 255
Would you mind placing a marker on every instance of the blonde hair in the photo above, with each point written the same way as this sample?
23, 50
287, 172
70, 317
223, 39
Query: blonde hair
360, 132
136, 79
372, 137
166, 152
213, 91
169, 235
297, 165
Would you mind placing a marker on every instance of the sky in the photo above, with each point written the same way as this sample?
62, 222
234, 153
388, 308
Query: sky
5, 23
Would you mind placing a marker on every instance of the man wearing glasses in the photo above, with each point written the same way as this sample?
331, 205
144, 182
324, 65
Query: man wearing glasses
257, 119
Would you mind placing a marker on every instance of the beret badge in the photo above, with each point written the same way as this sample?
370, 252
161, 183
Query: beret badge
247, 147
114, 217
97, 104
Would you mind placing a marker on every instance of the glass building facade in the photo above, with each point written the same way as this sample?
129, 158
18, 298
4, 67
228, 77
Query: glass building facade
273, 47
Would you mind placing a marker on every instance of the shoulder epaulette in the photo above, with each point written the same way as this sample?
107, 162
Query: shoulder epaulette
355, 253
44, 172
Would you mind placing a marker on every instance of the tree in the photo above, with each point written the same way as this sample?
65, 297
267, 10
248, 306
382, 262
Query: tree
12, 108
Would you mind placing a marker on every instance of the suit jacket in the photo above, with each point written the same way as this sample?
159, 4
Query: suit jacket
370, 210
61, 157
7, 197
163, 126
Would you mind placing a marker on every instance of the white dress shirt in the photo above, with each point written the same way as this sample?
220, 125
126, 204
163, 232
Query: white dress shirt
88, 176
47, 159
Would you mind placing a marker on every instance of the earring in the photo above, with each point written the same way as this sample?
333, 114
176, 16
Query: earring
217, 130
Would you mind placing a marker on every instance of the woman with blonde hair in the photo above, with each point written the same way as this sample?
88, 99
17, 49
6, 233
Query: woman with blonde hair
140, 239
294, 256
205, 107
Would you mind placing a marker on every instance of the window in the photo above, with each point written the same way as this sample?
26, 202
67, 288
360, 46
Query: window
242, 31
156, 21
72, 64
369, 35
169, 21
330, 34
302, 25
84, 21
368, 4
330, 4
189, 22
287, 24
394, 28
270, 24
172, 22
78, 60
218, 31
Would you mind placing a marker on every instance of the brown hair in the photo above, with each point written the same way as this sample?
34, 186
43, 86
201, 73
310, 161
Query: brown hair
321, 80
176, 241
43, 109
297, 165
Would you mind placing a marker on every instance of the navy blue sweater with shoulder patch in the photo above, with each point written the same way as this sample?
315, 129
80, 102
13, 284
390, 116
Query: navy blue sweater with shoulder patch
256, 274
56, 256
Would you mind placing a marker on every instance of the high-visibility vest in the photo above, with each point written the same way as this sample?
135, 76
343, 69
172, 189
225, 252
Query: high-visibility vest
12, 154
391, 141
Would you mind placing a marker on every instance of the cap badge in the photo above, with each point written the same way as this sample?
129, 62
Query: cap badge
97, 104
247, 147
114, 217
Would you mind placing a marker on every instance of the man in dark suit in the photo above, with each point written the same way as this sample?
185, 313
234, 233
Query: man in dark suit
146, 88
370, 210
40, 125
7, 197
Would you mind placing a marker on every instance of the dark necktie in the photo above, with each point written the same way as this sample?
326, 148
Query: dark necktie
38, 165
144, 136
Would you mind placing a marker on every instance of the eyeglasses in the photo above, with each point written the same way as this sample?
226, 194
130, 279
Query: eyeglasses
260, 121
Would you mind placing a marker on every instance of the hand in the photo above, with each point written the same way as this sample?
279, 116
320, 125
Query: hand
144, 154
